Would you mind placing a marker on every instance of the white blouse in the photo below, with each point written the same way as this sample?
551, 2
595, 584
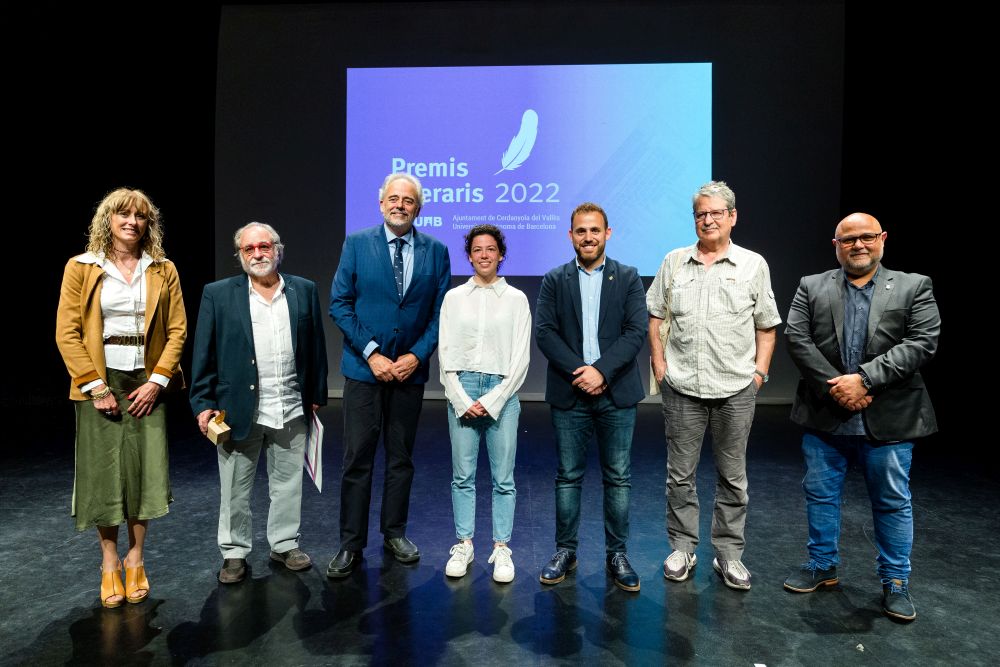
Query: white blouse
123, 307
486, 329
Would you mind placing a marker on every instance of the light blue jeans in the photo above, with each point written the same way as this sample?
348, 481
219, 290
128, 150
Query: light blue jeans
501, 444
886, 468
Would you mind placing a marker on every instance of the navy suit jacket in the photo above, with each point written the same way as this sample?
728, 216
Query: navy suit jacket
224, 365
903, 328
365, 305
621, 331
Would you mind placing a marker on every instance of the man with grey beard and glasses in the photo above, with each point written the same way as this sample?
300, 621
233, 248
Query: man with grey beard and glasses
260, 356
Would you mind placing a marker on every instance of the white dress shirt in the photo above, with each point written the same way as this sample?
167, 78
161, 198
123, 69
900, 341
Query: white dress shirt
485, 329
279, 397
123, 308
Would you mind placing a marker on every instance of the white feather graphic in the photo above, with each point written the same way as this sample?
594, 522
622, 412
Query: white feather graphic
522, 143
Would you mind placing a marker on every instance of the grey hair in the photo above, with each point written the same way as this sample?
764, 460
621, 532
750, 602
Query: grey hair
403, 176
715, 189
279, 247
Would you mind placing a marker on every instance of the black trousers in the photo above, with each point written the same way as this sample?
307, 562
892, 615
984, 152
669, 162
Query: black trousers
392, 410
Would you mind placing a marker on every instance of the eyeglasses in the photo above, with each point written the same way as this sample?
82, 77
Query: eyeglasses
868, 239
265, 248
716, 214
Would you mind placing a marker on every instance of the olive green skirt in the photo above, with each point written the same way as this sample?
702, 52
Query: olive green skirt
121, 462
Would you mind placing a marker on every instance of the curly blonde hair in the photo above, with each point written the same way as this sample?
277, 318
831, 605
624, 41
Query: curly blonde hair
118, 201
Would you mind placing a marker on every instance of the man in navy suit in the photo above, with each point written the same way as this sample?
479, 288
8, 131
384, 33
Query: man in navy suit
260, 355
590, 324
860, 335
386, 297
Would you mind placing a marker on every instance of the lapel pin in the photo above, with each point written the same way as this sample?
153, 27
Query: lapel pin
611, 277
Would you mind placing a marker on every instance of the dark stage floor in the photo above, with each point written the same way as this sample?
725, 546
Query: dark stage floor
391, 613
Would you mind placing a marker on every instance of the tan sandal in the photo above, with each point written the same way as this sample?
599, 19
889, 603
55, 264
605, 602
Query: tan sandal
136, 584
111, 586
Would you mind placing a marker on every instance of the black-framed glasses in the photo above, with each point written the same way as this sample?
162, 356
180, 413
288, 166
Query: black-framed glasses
716, 214
849, 241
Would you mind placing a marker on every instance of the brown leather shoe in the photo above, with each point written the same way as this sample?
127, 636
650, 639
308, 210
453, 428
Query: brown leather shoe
293, 559
233, 570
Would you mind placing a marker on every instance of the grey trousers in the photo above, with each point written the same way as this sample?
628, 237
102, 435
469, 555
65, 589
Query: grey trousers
237, 467
685, 421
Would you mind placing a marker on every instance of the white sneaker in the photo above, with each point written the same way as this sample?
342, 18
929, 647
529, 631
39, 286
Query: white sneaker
678, 565
734, 573
503, 566
461, 555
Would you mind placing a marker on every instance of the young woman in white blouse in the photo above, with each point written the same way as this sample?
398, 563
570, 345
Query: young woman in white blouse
485, 336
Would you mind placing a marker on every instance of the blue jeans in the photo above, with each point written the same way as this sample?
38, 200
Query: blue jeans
887, 474
501, 444
574, 428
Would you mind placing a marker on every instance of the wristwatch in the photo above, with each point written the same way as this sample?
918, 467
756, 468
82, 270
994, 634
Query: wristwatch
764, 376
865, 380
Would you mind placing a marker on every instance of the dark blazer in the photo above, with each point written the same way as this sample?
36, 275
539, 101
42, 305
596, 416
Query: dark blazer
621, 331
224, 365
365, 305
903, 328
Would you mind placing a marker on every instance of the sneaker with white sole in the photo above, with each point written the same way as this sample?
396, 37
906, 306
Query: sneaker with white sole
461, 555
678, 565
503, 566
733, 573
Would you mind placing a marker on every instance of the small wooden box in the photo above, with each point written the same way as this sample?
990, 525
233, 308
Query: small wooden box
218, 431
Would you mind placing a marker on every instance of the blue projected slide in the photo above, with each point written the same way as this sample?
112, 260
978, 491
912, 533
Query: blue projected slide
520, 147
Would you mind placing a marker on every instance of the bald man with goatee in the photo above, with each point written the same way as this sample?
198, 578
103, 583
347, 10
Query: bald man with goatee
860, 335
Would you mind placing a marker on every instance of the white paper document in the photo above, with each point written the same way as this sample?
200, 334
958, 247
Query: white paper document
314, 452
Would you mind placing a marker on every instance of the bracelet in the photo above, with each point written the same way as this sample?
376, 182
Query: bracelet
98, 396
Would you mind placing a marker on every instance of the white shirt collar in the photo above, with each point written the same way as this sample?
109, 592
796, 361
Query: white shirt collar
389, 235
498, 286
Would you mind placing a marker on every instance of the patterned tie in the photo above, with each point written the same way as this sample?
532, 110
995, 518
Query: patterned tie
397, 265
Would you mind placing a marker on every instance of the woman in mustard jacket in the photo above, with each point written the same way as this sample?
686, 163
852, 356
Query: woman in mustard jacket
120, 329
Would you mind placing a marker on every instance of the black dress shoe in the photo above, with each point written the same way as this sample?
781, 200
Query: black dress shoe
563, 561
233, 570
343, 564
403, 549
619, 568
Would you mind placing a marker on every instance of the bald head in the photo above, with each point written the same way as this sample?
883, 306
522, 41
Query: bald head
868, 221
859, 241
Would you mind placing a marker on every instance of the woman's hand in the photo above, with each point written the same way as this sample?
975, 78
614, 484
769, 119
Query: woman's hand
477, 410
143, 399
108, 405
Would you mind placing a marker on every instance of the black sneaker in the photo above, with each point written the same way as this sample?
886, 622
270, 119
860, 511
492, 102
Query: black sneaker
896, 602
809, 577
563, 561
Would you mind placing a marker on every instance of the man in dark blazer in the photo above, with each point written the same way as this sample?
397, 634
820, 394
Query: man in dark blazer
590, 324
860, 335
260, 356
386, 298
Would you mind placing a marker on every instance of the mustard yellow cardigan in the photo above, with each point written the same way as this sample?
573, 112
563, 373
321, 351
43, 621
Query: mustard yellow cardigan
80, 325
